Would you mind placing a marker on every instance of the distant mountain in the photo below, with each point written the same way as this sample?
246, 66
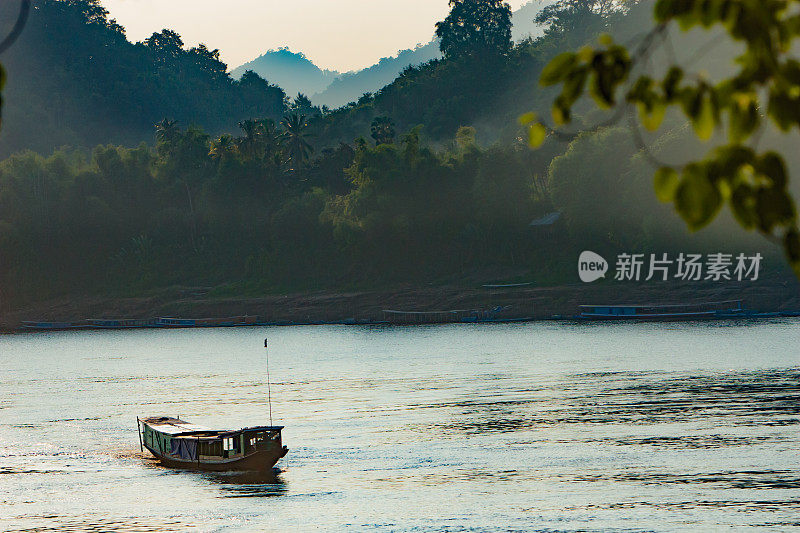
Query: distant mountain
295, 73
292, 71
349, 86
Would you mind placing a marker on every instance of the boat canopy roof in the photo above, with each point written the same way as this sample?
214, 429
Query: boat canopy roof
173, 426
180, 428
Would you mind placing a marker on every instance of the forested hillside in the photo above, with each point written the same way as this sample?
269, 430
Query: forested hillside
74, 79
430, 180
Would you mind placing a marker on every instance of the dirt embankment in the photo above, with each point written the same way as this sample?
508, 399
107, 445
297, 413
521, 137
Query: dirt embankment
514, 302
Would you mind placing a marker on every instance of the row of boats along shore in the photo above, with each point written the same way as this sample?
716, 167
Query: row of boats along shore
133, 323
732, 309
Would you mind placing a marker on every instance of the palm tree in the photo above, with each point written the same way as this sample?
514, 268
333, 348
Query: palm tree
223, 146
302, 104
167, 132
270, 137
249, 144
166, 129
295, 139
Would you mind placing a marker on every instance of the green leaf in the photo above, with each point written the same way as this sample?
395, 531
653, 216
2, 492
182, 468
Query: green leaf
771, 166
743, 206
653, 116
666, 183
671, 83
573, 85
782, 109
527, 118
703, 123
730, 161
697, 200
744, 117
666, 10
561, 112
536, 135
558, 68
774, 208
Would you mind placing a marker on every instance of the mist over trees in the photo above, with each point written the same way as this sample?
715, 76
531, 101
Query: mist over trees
237, 187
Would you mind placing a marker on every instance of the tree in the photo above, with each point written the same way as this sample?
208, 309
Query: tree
575, 20
207, 63
184, 157
166, 45
562, 11
296, 140
475, 27
250, 143
766, 88
302, 105
167, 132
382, 130
222, 147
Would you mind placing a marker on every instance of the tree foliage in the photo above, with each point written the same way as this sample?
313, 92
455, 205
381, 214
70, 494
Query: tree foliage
295, 137
74, 79
475, 28
199, 210
764, 88
382, 130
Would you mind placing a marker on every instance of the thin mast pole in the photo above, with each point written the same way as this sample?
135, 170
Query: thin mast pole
269, 387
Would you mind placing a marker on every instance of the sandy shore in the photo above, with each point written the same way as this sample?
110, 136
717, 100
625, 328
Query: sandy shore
368, 306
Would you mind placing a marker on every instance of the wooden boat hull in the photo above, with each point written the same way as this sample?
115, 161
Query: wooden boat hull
180, 444
259, 461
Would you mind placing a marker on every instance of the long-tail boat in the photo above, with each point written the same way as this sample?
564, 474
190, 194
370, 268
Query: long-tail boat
179, 444
698, 311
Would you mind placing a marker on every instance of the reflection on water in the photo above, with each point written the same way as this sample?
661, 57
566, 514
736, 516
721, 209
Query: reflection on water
95, 524
759, 398
248, 484
739, 505
488, 428
767, 479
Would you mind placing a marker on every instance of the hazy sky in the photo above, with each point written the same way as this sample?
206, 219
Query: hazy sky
335, 34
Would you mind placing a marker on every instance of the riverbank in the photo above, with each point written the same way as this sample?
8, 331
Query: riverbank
430, 304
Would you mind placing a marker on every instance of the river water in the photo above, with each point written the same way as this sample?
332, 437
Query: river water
523, 427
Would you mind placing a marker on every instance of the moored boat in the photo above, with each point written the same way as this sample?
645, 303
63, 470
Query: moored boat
180, 444
231, 321
710, 310
120, 323
48, 326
